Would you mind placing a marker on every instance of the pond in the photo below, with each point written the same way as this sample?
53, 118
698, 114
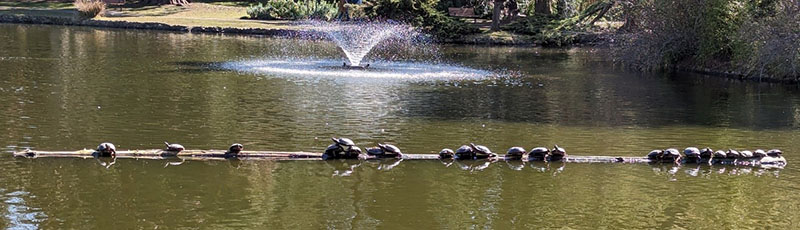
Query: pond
69, 88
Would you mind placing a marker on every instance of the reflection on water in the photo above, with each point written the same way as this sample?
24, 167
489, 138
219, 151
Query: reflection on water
17, 213
73, 87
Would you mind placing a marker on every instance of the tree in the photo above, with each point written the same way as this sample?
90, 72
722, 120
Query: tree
542, 7
498, 8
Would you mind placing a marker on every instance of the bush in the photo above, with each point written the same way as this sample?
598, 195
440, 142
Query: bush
770, 41
89, 8
420, 13
290, 10
546, 29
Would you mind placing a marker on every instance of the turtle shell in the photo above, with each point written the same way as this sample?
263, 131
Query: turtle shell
759, 153
733, 153
106, 148
375, 151
516, 151
446, 153
691, 152
464, 152
235, 148
390, 149
746, 153
558, 151
539, 152
174, 147
333, 151
655, 154
671, 153
706, 153
343, 141
720, 154
353, 152
774, 152
480, 149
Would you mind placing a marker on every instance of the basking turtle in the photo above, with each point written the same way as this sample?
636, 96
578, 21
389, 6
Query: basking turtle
106, 149
759, 153
235, 149
706, 153
391, 150
656, 154
174, 147
352, 152
345, 142
333, 151
733, 154
480, 151
692, 152
515, 153
557, 153
385, 151
539, 153
672, 154
720, 154
746, 154
446, 154
775, 153
464, 152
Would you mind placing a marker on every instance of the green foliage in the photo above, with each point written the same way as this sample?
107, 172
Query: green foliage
769, 41
548, 30
420, 13
291, 10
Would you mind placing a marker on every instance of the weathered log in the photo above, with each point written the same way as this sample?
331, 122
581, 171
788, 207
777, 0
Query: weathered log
285, 155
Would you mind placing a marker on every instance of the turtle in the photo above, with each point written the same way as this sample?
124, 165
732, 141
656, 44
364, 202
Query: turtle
539, 153
352, 152
759, 153
446, 154
106, 149
174, 147
390, 150
235, 149
655, 154
343, 141
672, 154
333, 151
733, 154
775, 153
720, 154
557, 153
480, 151
374, 151
515, 152
692, 152
746, 154
706, 153
464, 152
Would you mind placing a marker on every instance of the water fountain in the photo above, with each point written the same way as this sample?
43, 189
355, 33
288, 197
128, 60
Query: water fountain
356, 40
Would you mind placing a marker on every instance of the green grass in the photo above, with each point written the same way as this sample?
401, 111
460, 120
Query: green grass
36, 4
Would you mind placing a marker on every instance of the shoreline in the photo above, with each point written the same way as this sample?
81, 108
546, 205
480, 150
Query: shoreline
582, 40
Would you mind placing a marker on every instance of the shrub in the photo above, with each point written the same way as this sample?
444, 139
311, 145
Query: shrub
546, 29
420, 13
89, 8
771, 41
290, 10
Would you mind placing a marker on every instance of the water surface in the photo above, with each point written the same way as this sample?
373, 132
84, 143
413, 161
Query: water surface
71, 88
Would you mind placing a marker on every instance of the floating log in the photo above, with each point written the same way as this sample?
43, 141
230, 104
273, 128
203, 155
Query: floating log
281, 155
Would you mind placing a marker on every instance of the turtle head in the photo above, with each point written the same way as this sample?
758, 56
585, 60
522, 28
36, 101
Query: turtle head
335, 140
166, 143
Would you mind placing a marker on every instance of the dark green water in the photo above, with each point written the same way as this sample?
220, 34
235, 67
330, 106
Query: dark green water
71, 88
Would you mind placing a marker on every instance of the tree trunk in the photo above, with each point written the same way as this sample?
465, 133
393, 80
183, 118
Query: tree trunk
496, 13
542, 7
